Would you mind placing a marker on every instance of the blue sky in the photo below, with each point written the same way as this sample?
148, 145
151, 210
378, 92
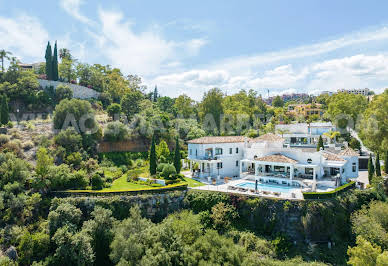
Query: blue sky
191, 46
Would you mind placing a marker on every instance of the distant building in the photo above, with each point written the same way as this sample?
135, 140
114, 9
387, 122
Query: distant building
288, 97
306, 110
330, 93
33, 66
364, 92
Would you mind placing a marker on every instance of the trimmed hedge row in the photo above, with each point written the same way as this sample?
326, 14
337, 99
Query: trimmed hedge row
329, 194
120, 192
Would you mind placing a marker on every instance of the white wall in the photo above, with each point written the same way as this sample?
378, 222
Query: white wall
79, 92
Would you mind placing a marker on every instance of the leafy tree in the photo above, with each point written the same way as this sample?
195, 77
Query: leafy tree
378, 168
355, 144
344, 108
278, 102
184, 106
177, 157
66, 69
72, 248
371, 169
332, 135
65, 214
55, 63
364, 254
76, 113
43, 162
33, 247
130, 103
12, 169
69, 139
49, 61
116, 131
96, 181
114, 110
166, 104
4, 55
4, 112
195, 133
63, 92
152, 157
100, 229
320, 144
374, 125
162, 152
211, 109
223, 216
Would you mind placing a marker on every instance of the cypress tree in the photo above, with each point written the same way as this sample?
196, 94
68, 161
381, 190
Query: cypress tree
177, 157
320, 144
48, 57
378, 168
386, 163
4, 110
153, 157
155, 93
55, 63
371, 169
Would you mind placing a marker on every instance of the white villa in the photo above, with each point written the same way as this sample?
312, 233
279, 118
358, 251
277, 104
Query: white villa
267, 160
304, 134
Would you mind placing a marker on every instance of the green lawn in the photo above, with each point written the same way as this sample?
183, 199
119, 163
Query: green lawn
122, 184
193, 183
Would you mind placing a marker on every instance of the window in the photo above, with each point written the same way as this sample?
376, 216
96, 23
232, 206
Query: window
230, 150
279, 168
196, 152
236, 163
354, 167
236, 150
309, 161
191, 152
219, 165
218, 151
309, 171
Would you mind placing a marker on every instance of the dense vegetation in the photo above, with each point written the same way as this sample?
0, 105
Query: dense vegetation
58, 151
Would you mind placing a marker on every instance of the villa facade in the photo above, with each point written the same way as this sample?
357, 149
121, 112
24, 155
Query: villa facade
304, 134
268, 160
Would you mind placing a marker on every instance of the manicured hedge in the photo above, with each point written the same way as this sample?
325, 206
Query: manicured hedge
120, 192
329, 194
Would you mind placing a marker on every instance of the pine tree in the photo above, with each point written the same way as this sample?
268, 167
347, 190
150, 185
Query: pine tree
4, 110
320, 144
371, 169
378, 168
55, 63
177, 157
153, 157
48, 57
156, 93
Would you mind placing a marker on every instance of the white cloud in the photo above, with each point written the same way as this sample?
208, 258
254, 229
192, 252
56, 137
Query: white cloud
72, 7
24, 36
144, 53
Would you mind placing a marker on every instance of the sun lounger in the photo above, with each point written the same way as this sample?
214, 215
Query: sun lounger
277, 193
266, 192
252, 190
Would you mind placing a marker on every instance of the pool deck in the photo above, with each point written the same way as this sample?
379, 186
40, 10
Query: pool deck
224, 187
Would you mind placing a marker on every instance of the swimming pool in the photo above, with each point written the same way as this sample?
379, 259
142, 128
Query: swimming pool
266, 187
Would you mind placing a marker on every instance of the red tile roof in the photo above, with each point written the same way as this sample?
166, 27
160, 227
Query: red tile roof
278, 158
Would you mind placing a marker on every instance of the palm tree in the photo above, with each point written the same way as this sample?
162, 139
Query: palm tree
283, 131
4, 54
332, 135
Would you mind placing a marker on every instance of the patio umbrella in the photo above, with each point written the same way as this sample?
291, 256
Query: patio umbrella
256, 184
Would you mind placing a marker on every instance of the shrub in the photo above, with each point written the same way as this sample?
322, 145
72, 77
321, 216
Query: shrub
3, 139
97, 181
74, 159
168, 171
63, 92
10, 124
114, 109
78, 180
28, 145
115, 131
69, 139
14, 146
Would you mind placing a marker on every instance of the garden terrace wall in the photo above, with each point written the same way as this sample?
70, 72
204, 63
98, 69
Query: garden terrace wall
123, 146
329, 194
79, 92
155, 206
82, 193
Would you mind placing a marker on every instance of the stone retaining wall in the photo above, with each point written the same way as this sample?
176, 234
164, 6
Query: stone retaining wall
79, 92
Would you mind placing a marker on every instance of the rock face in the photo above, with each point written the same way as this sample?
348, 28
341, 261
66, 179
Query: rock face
79, 92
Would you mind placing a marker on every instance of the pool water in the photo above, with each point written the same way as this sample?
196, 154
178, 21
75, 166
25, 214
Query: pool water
266, 187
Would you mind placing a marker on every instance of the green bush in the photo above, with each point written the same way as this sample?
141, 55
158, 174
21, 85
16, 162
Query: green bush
168, 171
97, 181
116, 131
329, 194
124, 158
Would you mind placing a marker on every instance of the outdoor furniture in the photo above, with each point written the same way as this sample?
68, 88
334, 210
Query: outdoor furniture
293, 195
266, 192
277, 193
252, 190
